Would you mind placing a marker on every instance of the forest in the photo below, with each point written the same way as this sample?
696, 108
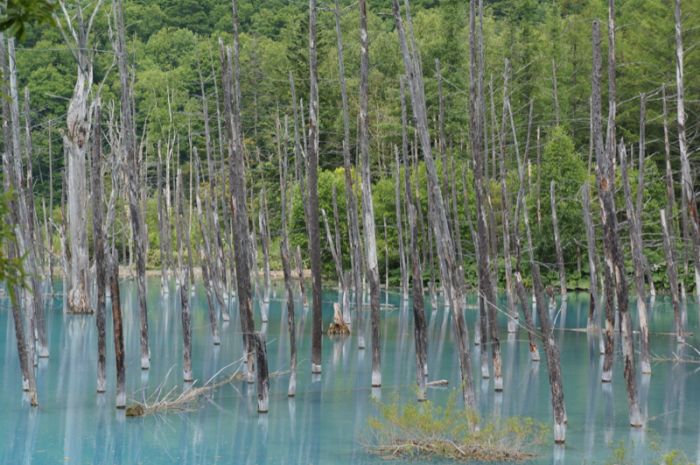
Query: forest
518, 171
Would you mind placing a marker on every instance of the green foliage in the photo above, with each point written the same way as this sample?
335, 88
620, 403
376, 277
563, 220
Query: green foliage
11, 269
425, 430
18, 13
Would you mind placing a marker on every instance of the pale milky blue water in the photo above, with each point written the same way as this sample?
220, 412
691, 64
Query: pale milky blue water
327, 422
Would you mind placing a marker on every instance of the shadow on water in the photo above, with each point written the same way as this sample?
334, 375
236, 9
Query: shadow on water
327, 421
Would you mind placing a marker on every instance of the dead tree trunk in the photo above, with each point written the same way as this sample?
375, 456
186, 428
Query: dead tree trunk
593, 306
98, 236
76, 144
550, 347
118, 329
672, 275
163, 230
184, 285
312, 179
237, 199
399, 228
128, 144
286, 268
367, 207
452, 274
350, 198
557, 242
603, 172
687, 188
635, 229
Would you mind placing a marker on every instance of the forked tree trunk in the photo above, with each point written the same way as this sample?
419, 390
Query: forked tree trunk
367, 207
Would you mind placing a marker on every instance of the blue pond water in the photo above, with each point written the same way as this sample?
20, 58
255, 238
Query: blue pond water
327, 422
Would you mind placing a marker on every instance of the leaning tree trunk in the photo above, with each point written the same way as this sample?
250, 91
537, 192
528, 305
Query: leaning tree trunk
128, 134
451, 272
635, 228
312, 175
367, 207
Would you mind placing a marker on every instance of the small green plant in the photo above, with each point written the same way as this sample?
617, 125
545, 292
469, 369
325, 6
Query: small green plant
426, 430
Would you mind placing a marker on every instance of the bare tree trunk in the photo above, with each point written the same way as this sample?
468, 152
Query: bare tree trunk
557, 242
672, 275
237, 199
367, 207
605, 193
687, 188
312, 175
638, 259
350, 198
98, 236
258, 340
399, 228
451, 272
129, 146
550, 347
300, 274
163, 229
286, 268
184, 285
118, 330
593, 307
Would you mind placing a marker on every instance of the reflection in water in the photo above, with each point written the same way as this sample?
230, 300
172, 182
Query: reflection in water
327, 422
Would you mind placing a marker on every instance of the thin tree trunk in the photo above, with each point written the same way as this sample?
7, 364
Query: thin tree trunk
635, 229
129, 146
557, 242
184, 286
119, 355
98, 237
672, 275
312, 175
399, 228
593, 306
286, 268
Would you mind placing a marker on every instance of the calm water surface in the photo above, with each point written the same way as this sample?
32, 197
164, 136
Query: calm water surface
327, 422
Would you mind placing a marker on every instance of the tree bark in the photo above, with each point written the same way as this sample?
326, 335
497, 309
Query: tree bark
312, 179
119, 355
593, 307
98, 237
672, 275
557, 242
128, 134
367, 207
184, 286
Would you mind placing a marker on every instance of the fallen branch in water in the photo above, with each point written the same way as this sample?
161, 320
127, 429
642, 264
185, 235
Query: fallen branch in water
679, 358
437, 382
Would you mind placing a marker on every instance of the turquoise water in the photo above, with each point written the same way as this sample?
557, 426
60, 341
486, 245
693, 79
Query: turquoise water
327, 422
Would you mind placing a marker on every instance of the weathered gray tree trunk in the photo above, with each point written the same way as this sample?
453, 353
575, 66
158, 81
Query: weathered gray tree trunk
184, 285
312, 180
550, 347
284, 256
687, 188
399, 229
237, 199
163, 228
99, 240
557, 242
603, 172
128, 144
593, 306
76, 143
635, 229
350, 198
367, 207
451, 273
672, 275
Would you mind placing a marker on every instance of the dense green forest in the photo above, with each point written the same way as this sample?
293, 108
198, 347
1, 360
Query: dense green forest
173, 49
